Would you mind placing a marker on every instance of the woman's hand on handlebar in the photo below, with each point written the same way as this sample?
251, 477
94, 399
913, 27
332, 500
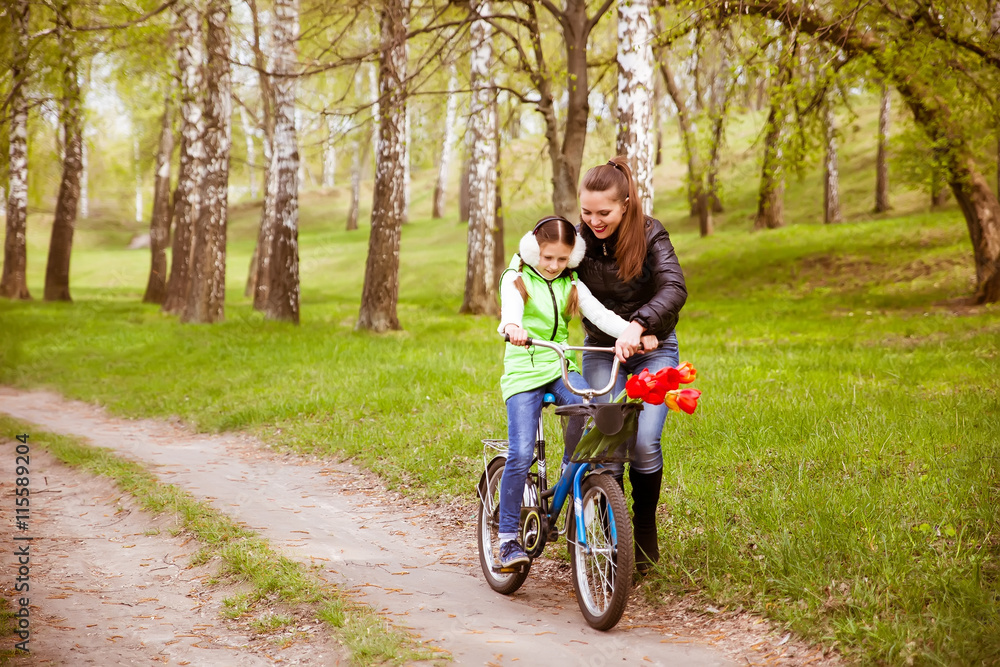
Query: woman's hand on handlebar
518, 336
649, 343
628, 343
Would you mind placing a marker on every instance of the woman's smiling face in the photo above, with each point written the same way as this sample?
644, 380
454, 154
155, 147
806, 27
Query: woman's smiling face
601, 212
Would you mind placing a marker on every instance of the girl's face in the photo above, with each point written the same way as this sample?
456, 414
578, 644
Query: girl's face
553, 258
601, 212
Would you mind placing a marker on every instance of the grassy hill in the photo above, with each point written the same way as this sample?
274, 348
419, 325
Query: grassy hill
840, 477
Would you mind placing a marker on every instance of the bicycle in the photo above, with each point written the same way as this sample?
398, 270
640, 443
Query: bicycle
598, 529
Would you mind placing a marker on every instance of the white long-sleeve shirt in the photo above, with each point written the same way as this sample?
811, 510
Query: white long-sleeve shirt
512, 307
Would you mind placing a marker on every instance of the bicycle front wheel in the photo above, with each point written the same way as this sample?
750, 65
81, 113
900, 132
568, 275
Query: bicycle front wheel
603, 560
487, 529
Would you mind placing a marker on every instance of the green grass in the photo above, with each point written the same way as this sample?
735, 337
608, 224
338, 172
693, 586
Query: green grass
245, 558
8, 626
840, 476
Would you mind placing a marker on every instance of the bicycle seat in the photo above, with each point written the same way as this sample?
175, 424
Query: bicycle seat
549, 399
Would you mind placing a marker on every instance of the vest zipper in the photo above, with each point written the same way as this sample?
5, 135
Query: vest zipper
555, 304
555, 309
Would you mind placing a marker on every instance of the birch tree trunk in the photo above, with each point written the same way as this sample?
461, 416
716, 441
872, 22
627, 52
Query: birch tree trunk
380, 293
771, 196
259, 279
283, 292
136, 161
330, 153
84, 181
67, 204
206, 298
159, 224
356, 164
13, 284
444, 161
636, 136
499, 254
463, 186
882, 156
480, 284
248, 134
187, 195
831, 191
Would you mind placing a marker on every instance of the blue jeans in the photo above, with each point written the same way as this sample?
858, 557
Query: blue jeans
523, 411
647, 457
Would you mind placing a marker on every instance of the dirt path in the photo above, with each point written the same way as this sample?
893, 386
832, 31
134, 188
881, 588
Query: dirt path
416, 564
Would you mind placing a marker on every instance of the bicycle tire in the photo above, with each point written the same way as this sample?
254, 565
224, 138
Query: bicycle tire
602, 573
487, 527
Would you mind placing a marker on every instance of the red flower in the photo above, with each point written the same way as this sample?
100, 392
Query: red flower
669, 378
639, 386
683, 400
686, 372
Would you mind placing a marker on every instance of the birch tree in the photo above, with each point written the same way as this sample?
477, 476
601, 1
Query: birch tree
67, 203
831, 173
248, 137
206, 298
260, 264
187, 197
447, 145
159, 224
480, 284
380, 293
882, 155
283, 290
13, 284
362, 144
636, 135
771, 194
330, 152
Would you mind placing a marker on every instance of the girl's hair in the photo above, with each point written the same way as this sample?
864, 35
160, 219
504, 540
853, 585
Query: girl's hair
616, 177
553, 230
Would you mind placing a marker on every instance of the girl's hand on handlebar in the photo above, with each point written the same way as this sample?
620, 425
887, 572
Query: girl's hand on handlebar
628, 343
518, 336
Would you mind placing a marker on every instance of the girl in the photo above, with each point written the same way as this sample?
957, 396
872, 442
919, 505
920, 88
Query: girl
539, 294
631, 267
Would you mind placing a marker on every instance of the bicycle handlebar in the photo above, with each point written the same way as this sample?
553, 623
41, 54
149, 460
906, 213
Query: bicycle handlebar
561, 350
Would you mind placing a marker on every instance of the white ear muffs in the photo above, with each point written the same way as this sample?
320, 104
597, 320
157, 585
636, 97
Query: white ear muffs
528, 249
530, 253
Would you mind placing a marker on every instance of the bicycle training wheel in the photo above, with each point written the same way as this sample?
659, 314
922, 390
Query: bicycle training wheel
602, 570
487, 529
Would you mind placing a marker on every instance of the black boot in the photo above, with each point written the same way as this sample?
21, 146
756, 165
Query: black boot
645, 497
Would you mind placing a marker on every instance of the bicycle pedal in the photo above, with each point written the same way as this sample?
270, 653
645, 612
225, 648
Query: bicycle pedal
514, 569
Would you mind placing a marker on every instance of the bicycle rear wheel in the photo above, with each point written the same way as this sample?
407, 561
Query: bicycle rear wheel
602, 570
487, 528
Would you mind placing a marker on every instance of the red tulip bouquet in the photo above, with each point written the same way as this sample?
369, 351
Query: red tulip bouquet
611, 424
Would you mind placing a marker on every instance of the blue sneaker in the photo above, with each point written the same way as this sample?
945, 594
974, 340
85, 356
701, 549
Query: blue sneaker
512, 554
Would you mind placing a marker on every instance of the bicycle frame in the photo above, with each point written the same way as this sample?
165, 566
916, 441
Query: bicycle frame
572, 478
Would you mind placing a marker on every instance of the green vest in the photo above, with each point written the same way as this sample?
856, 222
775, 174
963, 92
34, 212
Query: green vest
544, 317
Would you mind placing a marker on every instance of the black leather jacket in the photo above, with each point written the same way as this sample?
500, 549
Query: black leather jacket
654, 298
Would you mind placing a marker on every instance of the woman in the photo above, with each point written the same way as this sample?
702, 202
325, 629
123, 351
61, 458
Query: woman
631, 267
